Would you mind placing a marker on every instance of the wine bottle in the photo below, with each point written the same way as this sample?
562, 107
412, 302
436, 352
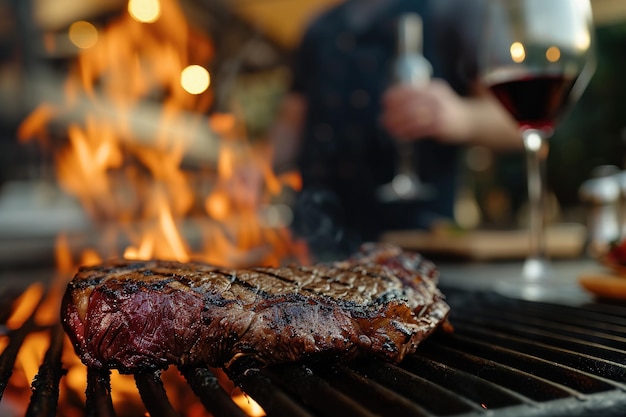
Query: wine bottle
410, 66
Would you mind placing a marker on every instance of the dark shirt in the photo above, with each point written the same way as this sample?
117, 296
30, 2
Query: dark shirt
346, 155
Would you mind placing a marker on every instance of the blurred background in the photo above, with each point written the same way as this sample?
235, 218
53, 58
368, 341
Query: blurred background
52, 59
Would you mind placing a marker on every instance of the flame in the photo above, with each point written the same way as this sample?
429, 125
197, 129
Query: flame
138, 183
26, 304
247, 404
32, 354
243, 401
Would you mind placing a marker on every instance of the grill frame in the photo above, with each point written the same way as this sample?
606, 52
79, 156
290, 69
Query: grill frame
482, 369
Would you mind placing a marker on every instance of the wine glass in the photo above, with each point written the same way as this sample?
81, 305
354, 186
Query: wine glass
536, 56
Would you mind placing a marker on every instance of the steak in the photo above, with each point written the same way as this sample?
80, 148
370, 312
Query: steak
133, 316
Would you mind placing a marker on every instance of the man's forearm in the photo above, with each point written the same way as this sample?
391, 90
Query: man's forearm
491, 125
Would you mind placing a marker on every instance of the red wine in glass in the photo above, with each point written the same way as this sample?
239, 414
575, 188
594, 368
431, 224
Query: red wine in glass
535, 100
537, 57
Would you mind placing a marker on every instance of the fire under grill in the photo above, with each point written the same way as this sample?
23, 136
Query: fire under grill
505, 358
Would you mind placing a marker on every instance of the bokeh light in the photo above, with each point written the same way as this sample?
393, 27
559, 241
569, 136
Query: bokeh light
144, 11
553, 54
195, 79
583, 41
83, 34
518, 53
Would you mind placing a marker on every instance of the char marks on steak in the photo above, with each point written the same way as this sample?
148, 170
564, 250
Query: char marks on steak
145, 315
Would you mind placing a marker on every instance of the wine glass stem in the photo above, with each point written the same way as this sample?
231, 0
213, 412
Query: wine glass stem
406, 158
535, 143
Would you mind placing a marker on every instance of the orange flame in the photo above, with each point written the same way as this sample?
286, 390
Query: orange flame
26, 304
123, 178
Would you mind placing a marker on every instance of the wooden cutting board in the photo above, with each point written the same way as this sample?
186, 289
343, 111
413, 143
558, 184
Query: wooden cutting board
563, 241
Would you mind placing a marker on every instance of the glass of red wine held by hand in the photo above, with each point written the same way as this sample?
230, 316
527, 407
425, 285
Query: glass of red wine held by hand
536, 56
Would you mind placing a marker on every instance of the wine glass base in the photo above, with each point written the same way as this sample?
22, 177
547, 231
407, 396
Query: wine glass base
406, 187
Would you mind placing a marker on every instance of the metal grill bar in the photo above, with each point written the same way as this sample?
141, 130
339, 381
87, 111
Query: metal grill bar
559, 326
433, 397
583, 316
206, 386
317, 393
553, 339
274, 401
45, 387
583, 319
482, 392
617, 310
374, 397
99, 402
584, 362
526, 384
577, 381
153, 394
596, 316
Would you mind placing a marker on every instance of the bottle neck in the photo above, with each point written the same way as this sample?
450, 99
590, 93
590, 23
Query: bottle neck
410, 34
410, 66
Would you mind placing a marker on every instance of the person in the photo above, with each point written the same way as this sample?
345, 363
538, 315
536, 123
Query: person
339, 122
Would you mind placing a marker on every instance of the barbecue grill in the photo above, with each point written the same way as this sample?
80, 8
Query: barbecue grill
505, 358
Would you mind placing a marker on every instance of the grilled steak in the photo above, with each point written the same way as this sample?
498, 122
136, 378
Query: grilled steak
146, 315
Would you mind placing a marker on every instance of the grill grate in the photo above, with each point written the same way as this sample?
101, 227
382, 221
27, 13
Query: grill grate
505, 358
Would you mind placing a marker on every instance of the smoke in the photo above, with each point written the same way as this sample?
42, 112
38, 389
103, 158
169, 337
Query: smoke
320, 220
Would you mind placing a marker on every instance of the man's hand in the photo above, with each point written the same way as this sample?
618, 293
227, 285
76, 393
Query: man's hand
434, 110
437, 111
